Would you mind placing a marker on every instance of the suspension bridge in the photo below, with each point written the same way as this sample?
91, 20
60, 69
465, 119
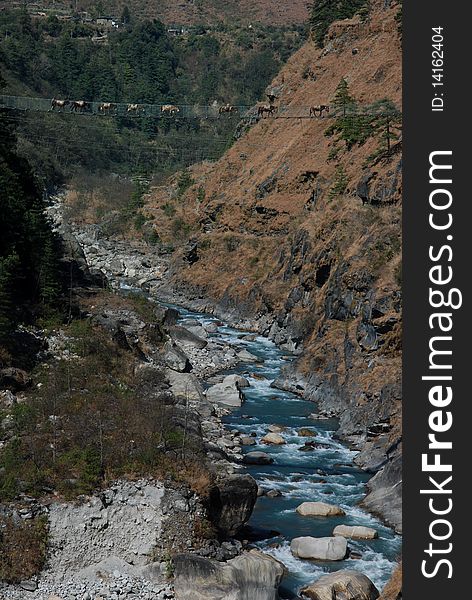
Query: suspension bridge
175, 111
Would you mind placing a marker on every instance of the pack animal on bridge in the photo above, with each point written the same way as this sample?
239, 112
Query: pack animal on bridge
320, 109
79, 106
266, 109
55, 103
170, 109
106, 107
227, 108
133, 108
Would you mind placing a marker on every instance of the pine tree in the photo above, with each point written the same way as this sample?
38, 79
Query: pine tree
342, 99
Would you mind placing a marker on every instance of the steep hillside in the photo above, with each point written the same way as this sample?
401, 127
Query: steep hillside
188, 12
301, 231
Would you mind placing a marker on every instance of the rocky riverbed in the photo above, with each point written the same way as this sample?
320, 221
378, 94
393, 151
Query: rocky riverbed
207, 370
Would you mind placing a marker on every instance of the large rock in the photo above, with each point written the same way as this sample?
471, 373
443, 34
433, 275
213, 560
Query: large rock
273, 438
231, 503
257, 458
348, 585
175, 358
246, 356
180, 334
228, 392
187, 388
319, 509
327, 548
356, 532
251, 576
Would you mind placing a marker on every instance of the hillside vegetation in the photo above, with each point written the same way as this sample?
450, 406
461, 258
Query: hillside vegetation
139, 63
187, 12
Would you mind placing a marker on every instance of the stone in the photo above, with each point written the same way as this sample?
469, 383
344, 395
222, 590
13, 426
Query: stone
187, 387
305, 432
273, 494
346, 584
257, 458
251, 576
227, 393
276, 428
180, 334
29, 586
175, 358
326, 548
198, 331
231, 502
247, 440
356, 532
319, 509
246, 356
273, 438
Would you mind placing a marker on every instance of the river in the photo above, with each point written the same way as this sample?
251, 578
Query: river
325, 474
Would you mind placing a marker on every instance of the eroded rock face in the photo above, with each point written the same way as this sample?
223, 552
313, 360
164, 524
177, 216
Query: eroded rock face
348, 585
124, 521
385, 493
327, 548
231, 502
251, 576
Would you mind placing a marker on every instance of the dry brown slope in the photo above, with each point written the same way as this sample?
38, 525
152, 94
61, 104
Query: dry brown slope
314, 271
190, 12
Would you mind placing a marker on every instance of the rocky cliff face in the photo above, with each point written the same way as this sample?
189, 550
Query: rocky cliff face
299, 235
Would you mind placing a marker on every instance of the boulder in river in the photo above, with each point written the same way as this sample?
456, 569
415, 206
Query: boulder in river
247, 440
319, 509
305, 432
276, 428
273, 438
347, 584
326, 548
257, 458
356, 532
227, 392
247, 356
232, 500
251, 576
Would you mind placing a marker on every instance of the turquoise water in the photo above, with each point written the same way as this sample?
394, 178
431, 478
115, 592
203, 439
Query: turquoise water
327, 474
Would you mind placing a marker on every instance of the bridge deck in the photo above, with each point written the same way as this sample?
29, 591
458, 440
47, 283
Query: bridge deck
121, 109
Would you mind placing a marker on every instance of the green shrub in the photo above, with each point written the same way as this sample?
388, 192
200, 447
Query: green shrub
325, 12
340, 184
